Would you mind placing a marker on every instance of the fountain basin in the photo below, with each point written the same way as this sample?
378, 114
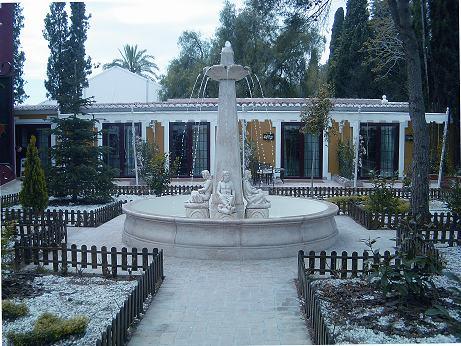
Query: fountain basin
294, 224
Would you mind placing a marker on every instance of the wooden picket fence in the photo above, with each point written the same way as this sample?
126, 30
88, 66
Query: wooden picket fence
323, 192
445, 222
145, 190
311, 306
75, 218
148, 284
61, 257
8, 200
36, 235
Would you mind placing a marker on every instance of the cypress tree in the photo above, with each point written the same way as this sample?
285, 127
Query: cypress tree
352, 77
336, 32
33, 193
56, 33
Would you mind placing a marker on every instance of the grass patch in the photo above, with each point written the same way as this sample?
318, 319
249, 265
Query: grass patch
50, 328
11, 311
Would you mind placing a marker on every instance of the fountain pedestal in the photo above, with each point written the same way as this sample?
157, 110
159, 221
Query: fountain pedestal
227, 134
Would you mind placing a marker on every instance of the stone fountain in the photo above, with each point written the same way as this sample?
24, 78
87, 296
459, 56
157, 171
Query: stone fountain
228, 218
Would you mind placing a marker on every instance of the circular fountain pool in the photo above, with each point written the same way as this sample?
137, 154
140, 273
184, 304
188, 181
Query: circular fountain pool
294, 224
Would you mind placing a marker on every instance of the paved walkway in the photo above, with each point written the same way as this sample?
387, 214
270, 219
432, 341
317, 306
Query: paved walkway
226, 302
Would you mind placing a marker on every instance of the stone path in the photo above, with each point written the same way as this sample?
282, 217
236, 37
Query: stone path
226, 302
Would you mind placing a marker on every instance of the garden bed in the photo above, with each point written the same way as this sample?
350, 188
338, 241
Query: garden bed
97, 298
354, 311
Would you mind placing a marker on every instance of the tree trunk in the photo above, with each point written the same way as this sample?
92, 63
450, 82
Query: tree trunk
420, 165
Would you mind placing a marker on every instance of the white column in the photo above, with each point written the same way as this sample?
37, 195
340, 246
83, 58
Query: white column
403, 126
325, 173
53, 136
355, 125
278, 143
212, 146
98, 128
166, 139
144, 125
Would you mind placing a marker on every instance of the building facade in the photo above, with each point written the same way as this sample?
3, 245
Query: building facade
186, 129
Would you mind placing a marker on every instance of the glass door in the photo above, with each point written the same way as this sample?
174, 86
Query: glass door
128, 167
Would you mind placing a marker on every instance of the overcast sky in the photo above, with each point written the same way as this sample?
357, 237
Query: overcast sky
153, 25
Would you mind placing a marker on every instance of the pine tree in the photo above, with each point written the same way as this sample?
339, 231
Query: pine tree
19, 95
79, 171
33, 193
352, 77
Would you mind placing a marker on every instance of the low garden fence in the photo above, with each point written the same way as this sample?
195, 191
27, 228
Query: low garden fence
8, 200
445, 222
145, 190
148, 284
332, 191
33, 235
75, 218
61, 257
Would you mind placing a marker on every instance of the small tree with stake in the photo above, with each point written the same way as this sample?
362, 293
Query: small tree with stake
33, 193
316, 118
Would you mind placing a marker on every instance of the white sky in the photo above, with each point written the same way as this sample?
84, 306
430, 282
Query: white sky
153, 25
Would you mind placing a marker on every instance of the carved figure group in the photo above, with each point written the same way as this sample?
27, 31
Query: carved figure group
226, 194
203, 195
254, 197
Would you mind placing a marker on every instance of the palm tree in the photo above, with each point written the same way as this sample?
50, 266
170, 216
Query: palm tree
135, 61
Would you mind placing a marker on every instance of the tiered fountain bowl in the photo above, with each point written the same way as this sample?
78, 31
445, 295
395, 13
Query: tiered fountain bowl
293, 224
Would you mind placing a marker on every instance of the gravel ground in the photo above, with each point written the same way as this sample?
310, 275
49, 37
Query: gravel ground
97, 298
362, 315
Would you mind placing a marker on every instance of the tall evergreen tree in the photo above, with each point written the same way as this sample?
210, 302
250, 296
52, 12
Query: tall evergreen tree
68, 66
56, 32
19, 94
336, 30
78, 64
33, 192
352, 77
78, 170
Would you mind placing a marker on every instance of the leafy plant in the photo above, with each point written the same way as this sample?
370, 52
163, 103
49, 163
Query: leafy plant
409, 279
152, 166
7, 242
453, 197
382, 198
346, 159
50, 328
11, 310
33, 192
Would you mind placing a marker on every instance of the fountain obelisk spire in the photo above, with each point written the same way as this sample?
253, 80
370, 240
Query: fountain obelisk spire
227, 157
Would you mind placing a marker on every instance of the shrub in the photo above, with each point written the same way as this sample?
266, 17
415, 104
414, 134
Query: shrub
346, 159
50, 328
398, 206
11, 310
152, 166
8, 234
453, 198
347, 199
33, 192
382, 198
410, 279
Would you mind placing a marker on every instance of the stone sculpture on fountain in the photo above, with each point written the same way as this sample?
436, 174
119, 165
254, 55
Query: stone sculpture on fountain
257, 204
226, 195
197, 206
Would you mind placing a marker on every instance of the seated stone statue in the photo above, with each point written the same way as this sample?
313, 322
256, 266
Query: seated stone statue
254, 197
226, 194
203, 195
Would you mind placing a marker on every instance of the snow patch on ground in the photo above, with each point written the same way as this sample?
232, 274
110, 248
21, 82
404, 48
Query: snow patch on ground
97, 298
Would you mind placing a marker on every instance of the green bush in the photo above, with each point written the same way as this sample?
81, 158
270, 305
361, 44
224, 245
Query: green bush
48, 329
347, 199
382, 199
397, 205
346, 159
453, 198
33, 192
11, 310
